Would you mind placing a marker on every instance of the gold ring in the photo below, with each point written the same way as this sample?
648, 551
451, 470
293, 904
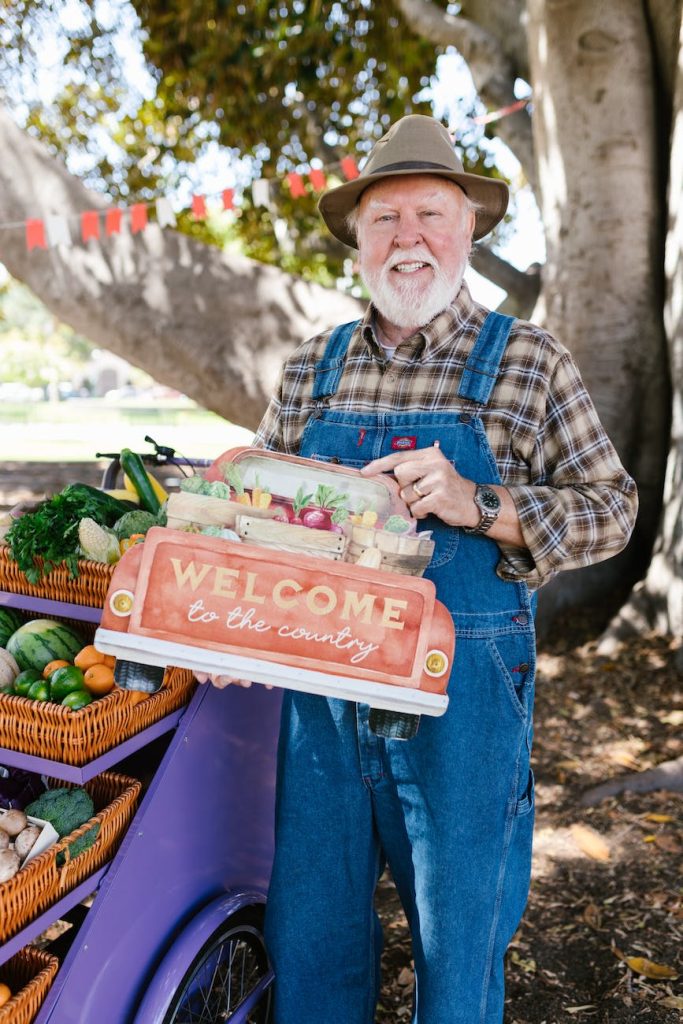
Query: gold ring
417, 490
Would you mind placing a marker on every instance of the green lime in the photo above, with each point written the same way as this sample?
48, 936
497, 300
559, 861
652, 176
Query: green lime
24, 681
39, 690
65, 680
77, 699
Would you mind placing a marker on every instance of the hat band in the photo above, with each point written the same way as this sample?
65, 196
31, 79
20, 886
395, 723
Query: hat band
414, 165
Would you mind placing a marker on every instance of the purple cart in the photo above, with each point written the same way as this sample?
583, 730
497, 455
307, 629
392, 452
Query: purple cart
173, 933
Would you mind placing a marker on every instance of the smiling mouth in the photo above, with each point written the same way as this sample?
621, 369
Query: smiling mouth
410, 268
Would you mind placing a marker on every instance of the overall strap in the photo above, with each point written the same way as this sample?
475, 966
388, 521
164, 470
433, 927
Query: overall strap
481, 368
328, 370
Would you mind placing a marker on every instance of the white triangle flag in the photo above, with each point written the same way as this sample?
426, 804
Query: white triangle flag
57, 229
165, 215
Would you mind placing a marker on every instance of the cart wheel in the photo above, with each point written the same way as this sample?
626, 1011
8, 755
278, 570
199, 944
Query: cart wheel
229, 972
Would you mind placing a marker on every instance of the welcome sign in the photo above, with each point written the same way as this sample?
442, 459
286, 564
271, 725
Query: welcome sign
186, 596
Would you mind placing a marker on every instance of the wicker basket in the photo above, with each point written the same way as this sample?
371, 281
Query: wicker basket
88, 588
42, 882
76, 737
29, 974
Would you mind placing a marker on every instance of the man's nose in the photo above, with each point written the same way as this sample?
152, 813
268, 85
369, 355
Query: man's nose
408, 233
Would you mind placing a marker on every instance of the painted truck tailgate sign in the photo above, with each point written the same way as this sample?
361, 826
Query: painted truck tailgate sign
298, 621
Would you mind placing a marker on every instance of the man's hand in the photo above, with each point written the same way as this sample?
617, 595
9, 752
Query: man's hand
430, 484
220, 682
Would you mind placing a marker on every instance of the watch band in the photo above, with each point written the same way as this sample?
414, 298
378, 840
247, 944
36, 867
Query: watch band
488, 503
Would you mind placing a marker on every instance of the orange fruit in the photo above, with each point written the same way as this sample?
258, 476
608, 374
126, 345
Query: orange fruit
109, 659
52, 666
5, 993
89, 656
99, 679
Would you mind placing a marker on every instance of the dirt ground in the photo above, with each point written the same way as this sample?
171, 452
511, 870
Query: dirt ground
602, 940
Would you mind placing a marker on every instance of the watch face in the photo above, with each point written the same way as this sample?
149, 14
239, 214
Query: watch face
488, 499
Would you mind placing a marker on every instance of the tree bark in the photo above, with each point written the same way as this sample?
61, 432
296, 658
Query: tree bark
658, 601
595, 130
216, 327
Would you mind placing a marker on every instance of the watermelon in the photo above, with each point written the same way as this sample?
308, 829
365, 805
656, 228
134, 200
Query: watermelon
41, 641
10, 621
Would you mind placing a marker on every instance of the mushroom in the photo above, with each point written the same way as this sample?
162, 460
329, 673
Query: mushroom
25, 840
13, 822
9, 865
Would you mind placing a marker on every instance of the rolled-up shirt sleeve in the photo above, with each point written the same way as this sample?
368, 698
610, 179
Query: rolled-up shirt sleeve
580, 506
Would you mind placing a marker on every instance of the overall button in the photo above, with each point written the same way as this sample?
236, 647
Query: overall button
465, 417
522, 619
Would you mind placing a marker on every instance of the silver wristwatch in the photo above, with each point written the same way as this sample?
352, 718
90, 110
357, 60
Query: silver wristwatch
488, 503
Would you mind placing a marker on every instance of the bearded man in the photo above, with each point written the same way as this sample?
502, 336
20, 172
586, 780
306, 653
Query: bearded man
498, 450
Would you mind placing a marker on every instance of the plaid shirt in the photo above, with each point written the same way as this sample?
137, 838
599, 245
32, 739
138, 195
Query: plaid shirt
576, 504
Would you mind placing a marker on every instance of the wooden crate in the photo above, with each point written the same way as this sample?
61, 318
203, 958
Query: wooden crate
287, 537
185, 510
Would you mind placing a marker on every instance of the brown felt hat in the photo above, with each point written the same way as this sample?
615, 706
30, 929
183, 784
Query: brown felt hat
414, 145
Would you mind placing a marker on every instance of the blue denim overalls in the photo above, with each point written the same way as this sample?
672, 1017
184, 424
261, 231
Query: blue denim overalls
450, 811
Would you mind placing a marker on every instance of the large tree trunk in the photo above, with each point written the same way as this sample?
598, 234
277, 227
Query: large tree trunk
596, 135
658, 600
214, 326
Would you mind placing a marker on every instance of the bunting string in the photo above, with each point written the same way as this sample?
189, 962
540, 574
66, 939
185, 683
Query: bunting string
93, 225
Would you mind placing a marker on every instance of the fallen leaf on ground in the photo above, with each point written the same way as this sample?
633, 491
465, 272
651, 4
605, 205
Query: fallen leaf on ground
672, 1002
590, 842
661, 819
648, 968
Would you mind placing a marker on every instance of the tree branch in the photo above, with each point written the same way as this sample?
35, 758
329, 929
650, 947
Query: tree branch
522, 286
492, 71
212, 325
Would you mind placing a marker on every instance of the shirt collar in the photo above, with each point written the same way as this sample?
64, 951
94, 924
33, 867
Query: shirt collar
439, 333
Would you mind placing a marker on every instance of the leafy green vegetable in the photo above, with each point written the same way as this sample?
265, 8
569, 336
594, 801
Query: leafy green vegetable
50, 532
328, 497
397, 524
300, 500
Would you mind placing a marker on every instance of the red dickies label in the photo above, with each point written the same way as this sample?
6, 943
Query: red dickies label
361, 436
403, 443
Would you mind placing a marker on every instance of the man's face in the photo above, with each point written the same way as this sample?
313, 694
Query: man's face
414, 237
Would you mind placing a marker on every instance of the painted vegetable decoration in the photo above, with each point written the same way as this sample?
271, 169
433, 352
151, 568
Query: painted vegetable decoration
40, 641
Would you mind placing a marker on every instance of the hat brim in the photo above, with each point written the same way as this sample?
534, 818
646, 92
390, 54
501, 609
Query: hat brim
491, 194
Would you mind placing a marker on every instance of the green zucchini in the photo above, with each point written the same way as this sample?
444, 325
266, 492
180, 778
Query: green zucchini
132, 465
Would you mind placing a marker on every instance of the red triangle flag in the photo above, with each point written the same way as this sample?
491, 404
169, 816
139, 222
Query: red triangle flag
90, 225
138, 217
317, 179
112, 221
35, 235
228, 198
198, 207
296, 185
350, 168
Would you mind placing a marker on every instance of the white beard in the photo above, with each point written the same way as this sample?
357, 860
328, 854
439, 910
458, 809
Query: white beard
407, 303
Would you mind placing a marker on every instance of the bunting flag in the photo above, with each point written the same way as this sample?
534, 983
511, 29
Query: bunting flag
199, 208
54, 229
260, 192
317, 178
165, 216
296, 185
58, 232
349, 168
138, 217
35, 235
112, 221
90, 225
